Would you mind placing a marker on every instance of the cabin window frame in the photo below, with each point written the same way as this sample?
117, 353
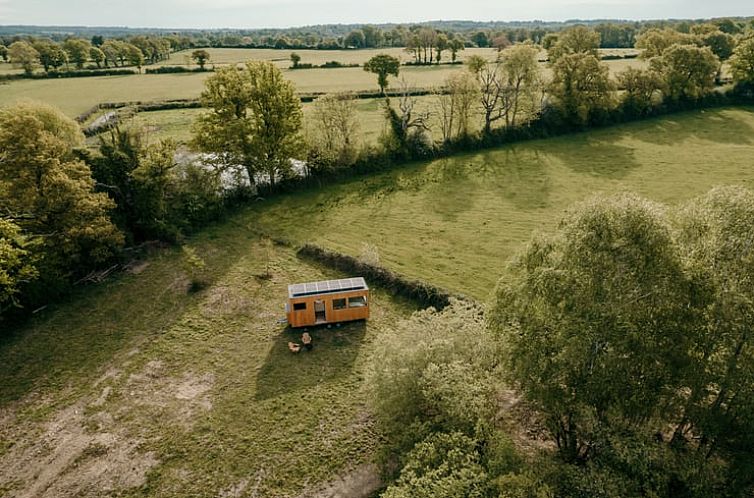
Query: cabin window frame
299, 306
336, 303
362, 300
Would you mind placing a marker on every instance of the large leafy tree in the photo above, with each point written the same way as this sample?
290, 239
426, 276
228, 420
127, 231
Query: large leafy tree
77, 50
597, 323
383, 66
24, 55
50, 192
581, 87
51, 55
576, 40
253, 121
717, 234
688, 71
742, 61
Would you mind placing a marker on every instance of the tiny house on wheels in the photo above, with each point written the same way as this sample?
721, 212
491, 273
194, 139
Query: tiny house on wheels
329, 301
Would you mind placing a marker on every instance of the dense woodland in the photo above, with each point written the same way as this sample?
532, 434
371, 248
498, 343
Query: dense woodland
626, 331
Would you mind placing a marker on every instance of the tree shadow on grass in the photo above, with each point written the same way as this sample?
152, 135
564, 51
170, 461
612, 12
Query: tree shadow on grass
598, 155
332, 358
715, 125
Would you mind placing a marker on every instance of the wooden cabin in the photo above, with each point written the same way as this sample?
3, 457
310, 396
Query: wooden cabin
329, 301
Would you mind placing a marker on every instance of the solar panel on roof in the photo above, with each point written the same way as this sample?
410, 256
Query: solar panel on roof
326, 287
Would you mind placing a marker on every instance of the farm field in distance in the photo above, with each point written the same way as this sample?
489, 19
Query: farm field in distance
457, 221
75, 95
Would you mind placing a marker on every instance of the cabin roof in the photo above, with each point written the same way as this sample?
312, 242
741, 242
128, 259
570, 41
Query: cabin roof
327, 287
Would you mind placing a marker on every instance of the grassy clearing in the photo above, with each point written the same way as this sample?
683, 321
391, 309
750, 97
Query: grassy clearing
136, 388
456, 221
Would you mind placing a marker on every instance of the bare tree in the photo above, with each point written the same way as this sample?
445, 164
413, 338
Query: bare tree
454, 103
335, 127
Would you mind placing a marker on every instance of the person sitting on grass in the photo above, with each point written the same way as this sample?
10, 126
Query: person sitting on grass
307, 340
293, 347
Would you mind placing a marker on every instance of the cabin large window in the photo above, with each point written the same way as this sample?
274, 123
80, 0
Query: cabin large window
357, 302
339, 304
299, 306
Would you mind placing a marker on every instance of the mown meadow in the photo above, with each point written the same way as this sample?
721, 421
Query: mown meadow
457, 221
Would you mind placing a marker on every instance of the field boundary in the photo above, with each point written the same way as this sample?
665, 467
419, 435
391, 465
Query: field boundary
424, 293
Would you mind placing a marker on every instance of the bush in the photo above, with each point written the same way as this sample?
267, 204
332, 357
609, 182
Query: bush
433, 374
176, 69
442, 466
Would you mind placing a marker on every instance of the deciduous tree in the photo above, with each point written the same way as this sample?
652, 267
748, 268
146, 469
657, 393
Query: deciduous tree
581, 87
23, 55
201, 57
576, 40
17, 266
77, 50
253, 121
51, 192
742, 61
688, 71
383, 65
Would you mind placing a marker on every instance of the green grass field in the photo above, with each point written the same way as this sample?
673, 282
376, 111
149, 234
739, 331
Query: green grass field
136, 388
457, 221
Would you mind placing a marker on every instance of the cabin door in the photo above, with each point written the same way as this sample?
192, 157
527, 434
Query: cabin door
319, 312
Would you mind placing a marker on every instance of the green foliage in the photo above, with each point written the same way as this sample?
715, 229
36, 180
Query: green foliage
17, 265
77, 50
253, 121
717, 234
523, 485
433, 374
641, 87
295, 59
22, 54
653, 42
742, 61
51, 55
592, 313
581, 87
383, 66
442, 466
576, 40
201, 57
688, 71
51, 192
475, 64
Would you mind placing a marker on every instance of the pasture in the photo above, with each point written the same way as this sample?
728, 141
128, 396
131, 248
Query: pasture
75, 95
456, 221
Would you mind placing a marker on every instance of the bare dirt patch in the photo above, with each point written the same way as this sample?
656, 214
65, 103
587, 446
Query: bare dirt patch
69, 460
222, 300
360, 482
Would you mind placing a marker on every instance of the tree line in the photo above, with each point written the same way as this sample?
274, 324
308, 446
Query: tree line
78, 53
